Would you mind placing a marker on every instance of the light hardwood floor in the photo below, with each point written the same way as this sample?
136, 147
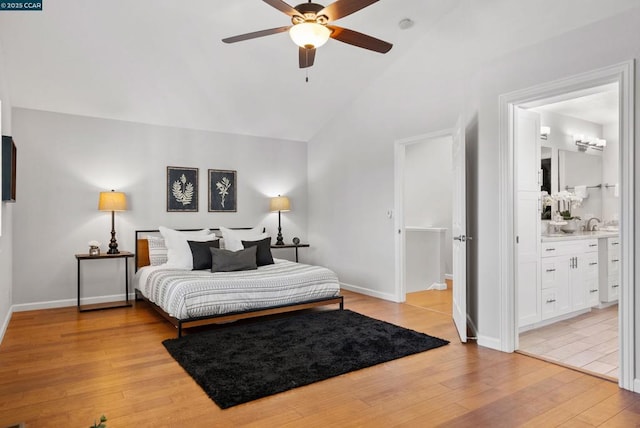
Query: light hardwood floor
61, 368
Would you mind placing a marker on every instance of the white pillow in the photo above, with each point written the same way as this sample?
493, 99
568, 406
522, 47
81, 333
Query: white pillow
157, 250
179, 252
233, 238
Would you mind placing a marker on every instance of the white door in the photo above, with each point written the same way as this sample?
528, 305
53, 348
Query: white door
527, 152
459, 233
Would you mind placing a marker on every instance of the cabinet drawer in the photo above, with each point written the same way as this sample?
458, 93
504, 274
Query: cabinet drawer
613, 282
613, 244
613, 266
555, 301
570, 247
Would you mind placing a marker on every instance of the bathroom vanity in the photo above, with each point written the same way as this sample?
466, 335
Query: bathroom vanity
578, 271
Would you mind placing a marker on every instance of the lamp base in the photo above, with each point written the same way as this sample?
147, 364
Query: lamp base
113, 244
279, 240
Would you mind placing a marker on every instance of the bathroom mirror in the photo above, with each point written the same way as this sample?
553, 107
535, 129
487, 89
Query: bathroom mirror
546, 166
582, 168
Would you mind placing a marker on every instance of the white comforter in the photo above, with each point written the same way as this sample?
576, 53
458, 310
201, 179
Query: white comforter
186, 294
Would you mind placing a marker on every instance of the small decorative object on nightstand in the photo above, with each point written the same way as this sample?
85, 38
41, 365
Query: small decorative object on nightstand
94, 248
296, 241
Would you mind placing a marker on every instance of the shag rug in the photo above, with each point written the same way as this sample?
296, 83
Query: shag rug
240, 363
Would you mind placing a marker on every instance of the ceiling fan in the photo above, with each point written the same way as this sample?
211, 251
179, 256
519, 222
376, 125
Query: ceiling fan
311, 28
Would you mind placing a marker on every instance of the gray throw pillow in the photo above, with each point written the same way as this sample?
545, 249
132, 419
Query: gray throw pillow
231, 261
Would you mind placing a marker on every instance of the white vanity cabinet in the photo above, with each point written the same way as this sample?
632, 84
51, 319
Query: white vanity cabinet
569, 273
609, 256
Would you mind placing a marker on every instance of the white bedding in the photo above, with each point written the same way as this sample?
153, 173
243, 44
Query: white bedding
186, 294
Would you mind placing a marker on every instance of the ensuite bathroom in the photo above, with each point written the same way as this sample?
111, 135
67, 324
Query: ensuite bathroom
569, 314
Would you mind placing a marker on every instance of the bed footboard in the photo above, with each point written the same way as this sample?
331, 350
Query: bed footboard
234, 316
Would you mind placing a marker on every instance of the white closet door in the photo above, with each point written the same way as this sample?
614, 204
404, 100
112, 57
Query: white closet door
527, 152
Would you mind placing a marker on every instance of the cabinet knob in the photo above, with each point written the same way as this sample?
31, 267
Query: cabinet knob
593, 245
550, 249
615, 286
594, 291
615, 243
593, 263
615, 260
551, 300
551, 270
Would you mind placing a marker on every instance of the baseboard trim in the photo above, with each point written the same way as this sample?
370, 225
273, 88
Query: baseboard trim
636, 385
368, 292
489, 342
5, 323
52, 304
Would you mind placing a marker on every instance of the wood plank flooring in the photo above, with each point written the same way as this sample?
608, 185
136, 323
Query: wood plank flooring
61, 368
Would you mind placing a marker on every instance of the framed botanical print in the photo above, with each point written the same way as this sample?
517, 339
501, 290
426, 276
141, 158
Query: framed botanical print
182, 189
222, 191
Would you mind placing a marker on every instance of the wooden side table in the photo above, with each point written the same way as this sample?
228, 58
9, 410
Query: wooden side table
126, 255
292, 246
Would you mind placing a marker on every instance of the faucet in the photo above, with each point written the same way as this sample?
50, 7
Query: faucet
592, 228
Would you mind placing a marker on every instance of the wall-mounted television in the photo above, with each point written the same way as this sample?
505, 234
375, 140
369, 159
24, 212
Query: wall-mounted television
8, 169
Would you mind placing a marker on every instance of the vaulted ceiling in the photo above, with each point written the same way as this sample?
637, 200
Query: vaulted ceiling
163, 62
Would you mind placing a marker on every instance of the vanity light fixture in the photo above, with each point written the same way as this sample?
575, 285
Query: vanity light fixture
585, 143
544, 132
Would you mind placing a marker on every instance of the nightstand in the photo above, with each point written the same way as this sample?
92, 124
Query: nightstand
291, 246
125, 255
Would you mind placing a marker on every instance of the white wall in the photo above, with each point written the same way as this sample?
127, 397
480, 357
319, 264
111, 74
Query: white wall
351, 161
66, 160
6, 240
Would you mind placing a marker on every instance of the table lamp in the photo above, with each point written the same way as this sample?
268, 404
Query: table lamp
280, 203
112, 201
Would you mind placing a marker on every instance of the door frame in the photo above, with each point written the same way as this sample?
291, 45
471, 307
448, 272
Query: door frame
400, 146
623, 74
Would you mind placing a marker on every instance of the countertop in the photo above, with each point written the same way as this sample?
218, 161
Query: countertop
553, 237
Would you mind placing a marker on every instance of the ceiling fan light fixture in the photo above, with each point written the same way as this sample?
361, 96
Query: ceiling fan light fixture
309, 35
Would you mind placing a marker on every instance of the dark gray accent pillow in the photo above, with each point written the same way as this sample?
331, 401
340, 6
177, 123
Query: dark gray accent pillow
263, 252
201, 254
231, 261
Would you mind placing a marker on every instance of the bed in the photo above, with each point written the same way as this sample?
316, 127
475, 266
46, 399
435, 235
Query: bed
190, 298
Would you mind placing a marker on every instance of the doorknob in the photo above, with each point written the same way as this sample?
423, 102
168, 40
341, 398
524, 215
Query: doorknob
461, 238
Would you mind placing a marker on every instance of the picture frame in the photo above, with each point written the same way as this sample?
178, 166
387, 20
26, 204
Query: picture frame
223, 191
182, 189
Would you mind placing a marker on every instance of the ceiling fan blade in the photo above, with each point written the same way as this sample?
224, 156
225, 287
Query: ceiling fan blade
360, 40
341, 8
306, 57
256, 34
282, 7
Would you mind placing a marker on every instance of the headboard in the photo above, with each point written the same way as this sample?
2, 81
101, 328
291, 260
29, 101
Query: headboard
142, 244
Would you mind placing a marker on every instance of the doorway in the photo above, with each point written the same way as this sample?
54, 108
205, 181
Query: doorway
576, 321
621, 74
424, 180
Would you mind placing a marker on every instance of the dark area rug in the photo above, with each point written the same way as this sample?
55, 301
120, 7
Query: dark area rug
240, 363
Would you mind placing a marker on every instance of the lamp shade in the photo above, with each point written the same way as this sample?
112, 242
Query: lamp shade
280, 203
112, 201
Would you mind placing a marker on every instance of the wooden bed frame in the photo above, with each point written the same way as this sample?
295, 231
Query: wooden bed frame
142, 259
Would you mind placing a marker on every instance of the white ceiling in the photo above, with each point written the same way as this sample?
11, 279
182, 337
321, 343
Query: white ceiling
600, 107
163, 62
